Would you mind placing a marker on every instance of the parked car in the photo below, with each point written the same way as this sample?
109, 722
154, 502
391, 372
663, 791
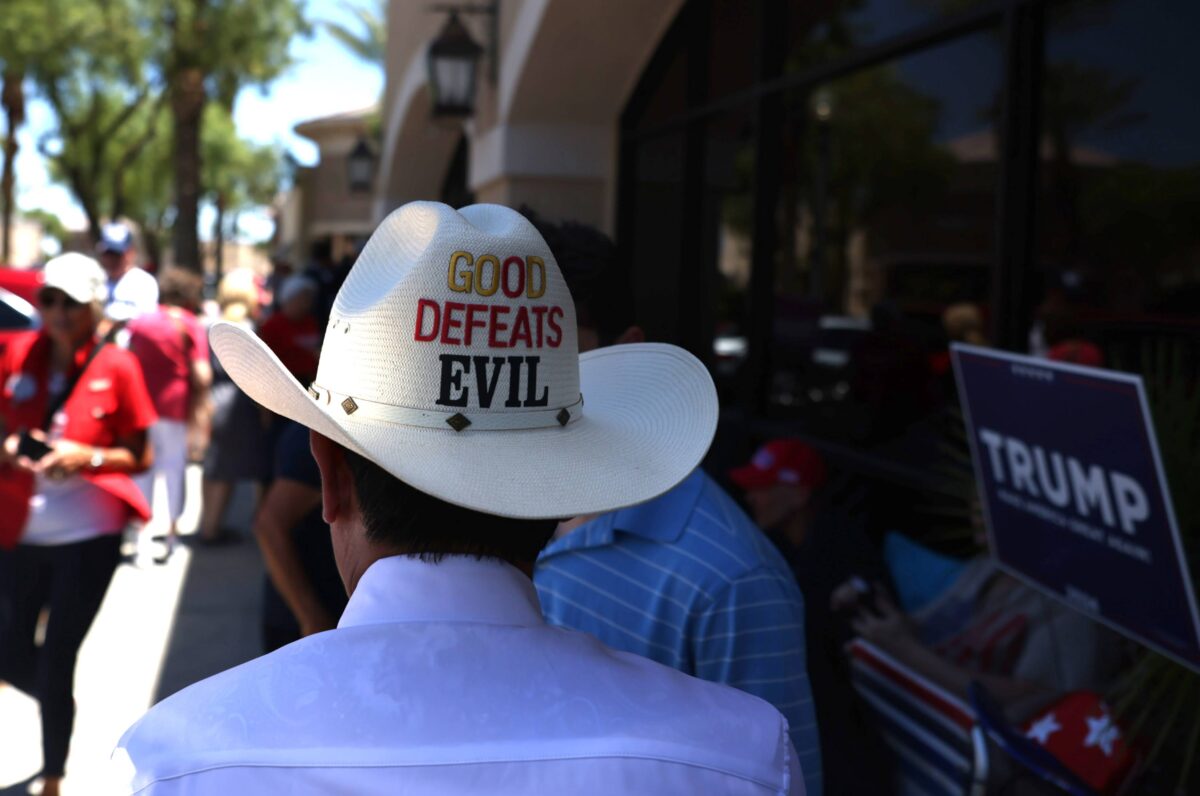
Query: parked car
16, 316
23, 283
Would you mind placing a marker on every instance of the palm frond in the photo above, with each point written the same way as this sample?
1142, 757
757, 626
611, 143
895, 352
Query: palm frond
366, 40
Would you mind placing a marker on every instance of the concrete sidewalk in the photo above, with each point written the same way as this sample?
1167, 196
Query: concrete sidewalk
160, 629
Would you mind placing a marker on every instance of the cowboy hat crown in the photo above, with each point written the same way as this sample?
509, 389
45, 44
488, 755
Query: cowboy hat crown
451, 360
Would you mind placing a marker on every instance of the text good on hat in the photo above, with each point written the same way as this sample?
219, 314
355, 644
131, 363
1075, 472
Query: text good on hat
451, 360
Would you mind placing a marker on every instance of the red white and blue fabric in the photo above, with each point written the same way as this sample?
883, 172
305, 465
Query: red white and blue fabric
1081, 731
930, 731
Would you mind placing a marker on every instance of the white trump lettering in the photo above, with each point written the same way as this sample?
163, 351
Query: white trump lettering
1132, 504
1065, 481
993, 442
1058, 492
1090, 490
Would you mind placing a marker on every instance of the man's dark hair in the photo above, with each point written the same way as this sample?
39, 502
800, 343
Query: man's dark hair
399, 516
322, 251
588, 261
178, 287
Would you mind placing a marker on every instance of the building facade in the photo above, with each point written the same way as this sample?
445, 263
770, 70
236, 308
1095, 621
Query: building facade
325, 205
815, 197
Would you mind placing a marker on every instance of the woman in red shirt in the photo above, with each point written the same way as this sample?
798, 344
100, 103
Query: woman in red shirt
73, 418
292, 331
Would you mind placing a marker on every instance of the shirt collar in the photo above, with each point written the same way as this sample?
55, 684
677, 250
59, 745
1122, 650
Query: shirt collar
456, 589
660, 520
37, 363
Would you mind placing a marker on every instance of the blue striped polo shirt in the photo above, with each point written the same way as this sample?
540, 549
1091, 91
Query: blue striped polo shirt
689, 580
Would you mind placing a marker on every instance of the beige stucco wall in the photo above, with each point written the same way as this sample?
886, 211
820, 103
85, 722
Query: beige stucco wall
545, 132
333, 205
326, 205
24, 243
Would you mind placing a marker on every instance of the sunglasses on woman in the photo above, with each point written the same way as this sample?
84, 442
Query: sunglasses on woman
51, 299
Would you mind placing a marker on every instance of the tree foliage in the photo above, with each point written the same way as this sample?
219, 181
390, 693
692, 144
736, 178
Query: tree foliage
104, 100
34, 38
248, 174
212, 49
117, 76
367, 39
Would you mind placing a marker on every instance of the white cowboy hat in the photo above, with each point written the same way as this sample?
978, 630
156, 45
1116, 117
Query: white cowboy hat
451, 361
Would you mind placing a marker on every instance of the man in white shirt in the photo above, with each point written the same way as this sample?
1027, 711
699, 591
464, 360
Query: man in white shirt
131, 291
448, 421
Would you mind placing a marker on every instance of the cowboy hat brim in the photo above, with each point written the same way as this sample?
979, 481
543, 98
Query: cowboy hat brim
650, 412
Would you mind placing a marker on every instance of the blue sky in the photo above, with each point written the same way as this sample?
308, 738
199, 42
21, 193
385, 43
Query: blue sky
325, 79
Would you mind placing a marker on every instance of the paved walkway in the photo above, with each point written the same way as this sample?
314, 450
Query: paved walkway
160, 629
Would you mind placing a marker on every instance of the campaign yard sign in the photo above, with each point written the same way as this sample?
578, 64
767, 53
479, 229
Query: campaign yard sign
1074, 493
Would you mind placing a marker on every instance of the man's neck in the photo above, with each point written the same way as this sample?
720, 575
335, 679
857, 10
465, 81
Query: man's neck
356, 565
566, 526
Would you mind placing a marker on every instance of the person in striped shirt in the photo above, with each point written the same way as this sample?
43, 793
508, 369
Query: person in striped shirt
686, 579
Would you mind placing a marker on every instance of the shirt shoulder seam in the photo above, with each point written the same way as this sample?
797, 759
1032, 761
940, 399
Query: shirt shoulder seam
524, 760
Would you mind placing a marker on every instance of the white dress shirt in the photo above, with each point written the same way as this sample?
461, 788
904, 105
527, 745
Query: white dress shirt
443, 678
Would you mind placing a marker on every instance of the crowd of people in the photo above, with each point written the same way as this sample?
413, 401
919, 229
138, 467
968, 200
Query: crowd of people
448, 507
116, 393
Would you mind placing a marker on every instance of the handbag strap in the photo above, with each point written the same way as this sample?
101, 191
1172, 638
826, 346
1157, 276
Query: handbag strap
57, 403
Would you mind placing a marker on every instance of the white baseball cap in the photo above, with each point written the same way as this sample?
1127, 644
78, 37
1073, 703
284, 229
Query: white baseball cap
451, 361
77, 275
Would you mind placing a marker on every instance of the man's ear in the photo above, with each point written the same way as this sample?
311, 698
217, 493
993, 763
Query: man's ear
335, 476
634, 334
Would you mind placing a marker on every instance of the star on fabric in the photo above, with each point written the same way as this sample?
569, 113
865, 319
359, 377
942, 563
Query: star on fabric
1103, 733
1043, 728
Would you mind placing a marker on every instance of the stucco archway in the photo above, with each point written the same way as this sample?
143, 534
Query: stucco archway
566, 71
416, 150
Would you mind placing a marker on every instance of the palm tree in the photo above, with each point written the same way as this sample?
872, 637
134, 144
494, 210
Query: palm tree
366, 40
12, 97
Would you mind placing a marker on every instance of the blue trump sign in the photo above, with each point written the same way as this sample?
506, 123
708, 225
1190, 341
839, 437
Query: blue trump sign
1074, 492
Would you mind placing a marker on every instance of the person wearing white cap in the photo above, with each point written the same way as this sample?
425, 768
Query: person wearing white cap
454, 424
73, 418
131, 291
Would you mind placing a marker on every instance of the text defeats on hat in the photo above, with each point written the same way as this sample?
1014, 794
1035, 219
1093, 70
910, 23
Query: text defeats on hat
454, 323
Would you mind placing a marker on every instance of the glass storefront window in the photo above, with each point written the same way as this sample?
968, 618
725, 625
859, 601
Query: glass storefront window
1118, 245
820, 30
732, 42
886, 223
666, 98
656, 231
726, 233
885, 244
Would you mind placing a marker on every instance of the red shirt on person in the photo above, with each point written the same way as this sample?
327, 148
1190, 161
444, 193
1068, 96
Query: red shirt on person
296, 343
109, 401
166, 343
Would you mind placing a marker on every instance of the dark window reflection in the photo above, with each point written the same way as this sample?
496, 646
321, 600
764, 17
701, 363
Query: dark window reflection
665, 97
1119, 244
727, 231
732, 41
821, 30
657, 230
886, 227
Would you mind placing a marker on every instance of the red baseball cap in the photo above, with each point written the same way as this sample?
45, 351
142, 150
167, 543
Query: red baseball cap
1079, 352
781, 461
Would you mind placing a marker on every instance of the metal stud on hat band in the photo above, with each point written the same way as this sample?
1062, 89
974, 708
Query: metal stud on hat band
363, 409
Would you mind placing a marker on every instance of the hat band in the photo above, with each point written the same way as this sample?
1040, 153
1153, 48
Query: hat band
432, 418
